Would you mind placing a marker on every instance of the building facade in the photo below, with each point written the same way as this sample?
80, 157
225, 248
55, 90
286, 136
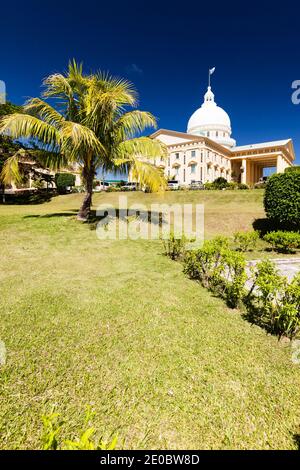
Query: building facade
207, 150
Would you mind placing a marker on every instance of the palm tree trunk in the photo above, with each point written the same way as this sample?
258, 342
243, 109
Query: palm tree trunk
85, 210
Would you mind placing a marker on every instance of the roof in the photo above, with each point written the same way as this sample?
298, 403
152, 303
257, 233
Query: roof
274, 143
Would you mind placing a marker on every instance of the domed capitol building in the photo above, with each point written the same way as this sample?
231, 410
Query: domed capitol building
207, 150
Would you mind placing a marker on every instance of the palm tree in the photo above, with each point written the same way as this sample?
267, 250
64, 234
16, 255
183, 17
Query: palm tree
92, 124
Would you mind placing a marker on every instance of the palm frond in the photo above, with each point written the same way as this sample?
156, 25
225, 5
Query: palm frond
147, 175
141, 147
134, 122
11, 170
44, 111
57, 86
23, 125
77, 139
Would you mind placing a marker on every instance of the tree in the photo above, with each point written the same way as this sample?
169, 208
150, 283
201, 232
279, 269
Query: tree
92, 125
282, 199
7, 146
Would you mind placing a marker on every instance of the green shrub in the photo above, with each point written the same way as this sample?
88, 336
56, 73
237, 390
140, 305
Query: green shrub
63, 181
219, 269
220, 183
50, 438
113, 189
292, 169
175, 246
38, 184
243, 186
274, 303
246, 241
282, 199
209, 185
283, 242
232, 185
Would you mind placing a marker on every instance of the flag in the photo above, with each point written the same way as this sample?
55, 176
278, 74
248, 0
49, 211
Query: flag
211, 71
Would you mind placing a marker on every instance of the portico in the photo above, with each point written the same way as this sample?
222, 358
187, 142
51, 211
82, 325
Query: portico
249, 161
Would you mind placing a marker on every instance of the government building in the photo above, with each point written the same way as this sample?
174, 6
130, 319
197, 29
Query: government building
207, 150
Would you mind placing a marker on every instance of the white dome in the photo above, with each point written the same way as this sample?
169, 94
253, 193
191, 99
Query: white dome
212, 121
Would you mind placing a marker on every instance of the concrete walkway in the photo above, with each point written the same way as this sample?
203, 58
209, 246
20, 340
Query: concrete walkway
287, 267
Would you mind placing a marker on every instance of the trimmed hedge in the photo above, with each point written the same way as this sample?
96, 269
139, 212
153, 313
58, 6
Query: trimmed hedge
292, 169
64, 180
282, 199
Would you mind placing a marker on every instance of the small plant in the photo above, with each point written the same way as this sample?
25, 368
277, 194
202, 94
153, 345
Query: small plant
232, 185
283, 242
219, 269
208, 185
246, 241
52, 426
51, 429
175, 246
274, 303
243, 186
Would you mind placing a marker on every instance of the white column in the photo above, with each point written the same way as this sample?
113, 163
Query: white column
244, 172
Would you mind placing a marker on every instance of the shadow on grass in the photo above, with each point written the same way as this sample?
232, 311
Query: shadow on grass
27, 199
265, 225
71, 213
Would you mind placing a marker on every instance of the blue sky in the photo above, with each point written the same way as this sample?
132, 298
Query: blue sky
166, 49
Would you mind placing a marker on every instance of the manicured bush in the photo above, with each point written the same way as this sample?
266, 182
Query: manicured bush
246, 241
219, 269
292, 169
243, 186
220, 183
274, 303
283, 242
282, 199
63, 181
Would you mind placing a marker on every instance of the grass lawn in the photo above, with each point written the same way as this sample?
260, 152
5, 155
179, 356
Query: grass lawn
115, 324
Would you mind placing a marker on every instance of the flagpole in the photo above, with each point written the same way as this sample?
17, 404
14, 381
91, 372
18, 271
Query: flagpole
208, 77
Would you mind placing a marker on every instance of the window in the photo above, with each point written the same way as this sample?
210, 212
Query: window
184, 159
184, 175
201, 157
193, 153
193, 169
207, 133
201, 174
177, 156
169, 161
217, 133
